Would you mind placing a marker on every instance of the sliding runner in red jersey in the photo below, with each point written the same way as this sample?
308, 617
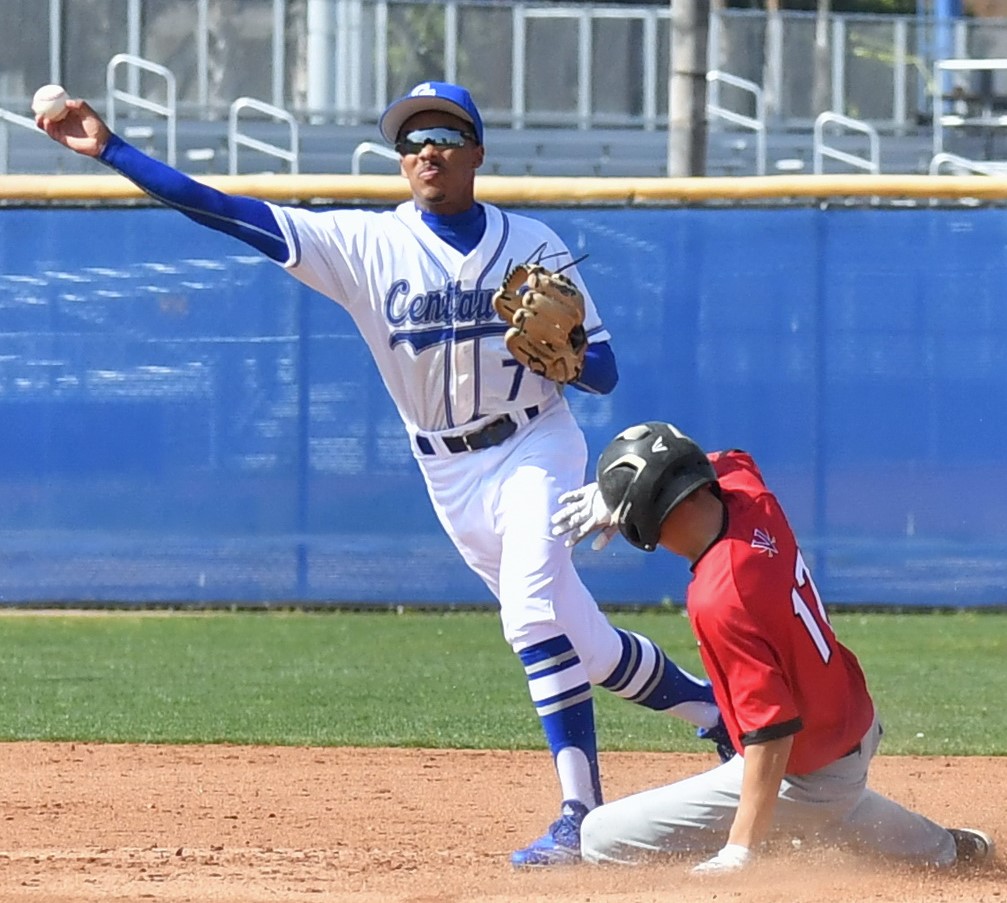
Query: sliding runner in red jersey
763, 633
794, 699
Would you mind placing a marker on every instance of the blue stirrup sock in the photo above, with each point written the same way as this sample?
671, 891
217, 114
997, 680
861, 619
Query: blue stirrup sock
561, 691
645, 675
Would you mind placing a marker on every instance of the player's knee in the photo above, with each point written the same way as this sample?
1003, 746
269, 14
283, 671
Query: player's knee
598, 669
599, 839
592, 837
521, 631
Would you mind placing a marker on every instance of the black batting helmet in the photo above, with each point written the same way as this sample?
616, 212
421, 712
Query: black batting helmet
645, 472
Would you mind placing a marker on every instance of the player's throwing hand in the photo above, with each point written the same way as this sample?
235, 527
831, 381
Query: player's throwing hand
80, 129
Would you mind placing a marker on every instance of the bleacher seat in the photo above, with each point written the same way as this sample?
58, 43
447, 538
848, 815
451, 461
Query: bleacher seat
328, 148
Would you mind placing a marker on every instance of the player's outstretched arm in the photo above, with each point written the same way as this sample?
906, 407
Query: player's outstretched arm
248, 219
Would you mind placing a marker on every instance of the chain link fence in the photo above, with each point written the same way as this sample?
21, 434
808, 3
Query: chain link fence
545, 64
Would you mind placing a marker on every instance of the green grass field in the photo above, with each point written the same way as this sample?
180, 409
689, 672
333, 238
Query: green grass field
431, 679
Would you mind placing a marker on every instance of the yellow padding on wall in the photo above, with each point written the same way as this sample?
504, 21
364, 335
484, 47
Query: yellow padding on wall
521, 190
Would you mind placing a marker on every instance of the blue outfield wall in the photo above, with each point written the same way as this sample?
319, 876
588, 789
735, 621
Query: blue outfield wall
183, 422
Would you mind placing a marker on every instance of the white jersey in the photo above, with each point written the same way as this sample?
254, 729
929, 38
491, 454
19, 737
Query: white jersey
425, 309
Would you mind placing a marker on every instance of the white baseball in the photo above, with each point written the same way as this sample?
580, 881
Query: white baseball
50, 101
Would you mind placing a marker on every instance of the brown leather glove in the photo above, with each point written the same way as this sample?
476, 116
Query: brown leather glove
546, 313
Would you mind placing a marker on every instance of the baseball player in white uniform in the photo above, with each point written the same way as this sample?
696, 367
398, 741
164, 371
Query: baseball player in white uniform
496, 444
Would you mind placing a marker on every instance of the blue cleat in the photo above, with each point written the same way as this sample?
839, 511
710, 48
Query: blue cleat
718, 735
560, 845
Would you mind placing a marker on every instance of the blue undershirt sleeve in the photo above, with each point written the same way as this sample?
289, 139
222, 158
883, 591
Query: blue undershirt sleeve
600, 373
247, 219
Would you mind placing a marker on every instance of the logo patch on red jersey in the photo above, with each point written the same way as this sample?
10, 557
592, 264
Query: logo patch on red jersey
764, 543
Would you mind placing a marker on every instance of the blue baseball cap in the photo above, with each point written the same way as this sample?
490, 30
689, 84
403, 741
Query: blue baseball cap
443, 96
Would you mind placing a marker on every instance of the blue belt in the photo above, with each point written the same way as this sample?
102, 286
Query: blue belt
493, 433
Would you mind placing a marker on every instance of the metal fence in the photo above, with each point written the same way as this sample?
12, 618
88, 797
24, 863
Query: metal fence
563, 64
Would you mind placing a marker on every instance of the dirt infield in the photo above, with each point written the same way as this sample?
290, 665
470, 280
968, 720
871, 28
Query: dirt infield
84, 823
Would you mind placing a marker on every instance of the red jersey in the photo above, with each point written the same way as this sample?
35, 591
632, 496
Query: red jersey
765, 639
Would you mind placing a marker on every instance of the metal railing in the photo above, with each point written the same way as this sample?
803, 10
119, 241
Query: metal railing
958, 164
236, 138
756, 124
168, 110
7, 119
370, 147
871, 163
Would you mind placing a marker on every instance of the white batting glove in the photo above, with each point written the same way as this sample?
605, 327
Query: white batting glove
583, 513
731, 858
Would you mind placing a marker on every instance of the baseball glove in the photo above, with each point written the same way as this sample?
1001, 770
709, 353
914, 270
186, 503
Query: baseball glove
546, 313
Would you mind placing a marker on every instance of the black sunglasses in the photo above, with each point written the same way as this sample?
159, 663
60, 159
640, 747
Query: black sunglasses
440, 137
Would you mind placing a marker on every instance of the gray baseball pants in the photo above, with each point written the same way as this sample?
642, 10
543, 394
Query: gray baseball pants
831, 806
